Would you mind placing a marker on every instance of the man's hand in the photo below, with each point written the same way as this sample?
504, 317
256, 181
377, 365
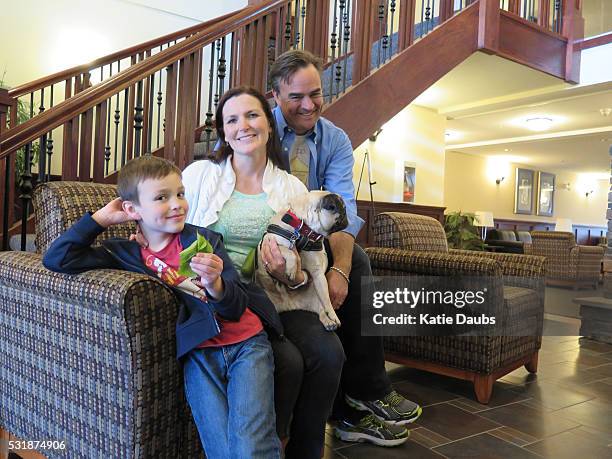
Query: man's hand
338, 288
341, 245
111, 214
209, 267
275, 264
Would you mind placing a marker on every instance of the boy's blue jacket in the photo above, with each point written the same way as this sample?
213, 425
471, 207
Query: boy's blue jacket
72, 253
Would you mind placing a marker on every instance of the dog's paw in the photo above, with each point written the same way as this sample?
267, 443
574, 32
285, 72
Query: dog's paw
329, 320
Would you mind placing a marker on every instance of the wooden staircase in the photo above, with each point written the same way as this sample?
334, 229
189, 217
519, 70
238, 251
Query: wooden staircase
380, 55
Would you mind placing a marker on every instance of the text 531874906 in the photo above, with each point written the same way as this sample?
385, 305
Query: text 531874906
36, 444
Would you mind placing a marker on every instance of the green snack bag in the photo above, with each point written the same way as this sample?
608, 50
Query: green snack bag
248, 267
200, 245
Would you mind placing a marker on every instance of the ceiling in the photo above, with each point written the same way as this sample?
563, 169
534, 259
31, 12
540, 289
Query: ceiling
487, 98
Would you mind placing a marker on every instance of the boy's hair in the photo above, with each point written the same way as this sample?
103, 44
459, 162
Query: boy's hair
140, 169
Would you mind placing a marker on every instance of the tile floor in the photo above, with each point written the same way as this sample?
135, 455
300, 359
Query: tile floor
565, 411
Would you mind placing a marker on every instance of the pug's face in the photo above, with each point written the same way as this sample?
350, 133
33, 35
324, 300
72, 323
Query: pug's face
323, 211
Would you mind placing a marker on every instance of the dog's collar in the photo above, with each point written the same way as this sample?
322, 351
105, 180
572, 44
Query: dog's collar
302, 237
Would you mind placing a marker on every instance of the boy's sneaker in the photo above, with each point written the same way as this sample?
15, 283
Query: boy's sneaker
392, 408
371, 429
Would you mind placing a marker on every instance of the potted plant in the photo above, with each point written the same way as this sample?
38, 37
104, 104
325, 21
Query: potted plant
461, 232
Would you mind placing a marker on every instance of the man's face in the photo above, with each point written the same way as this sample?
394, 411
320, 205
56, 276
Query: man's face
300, 99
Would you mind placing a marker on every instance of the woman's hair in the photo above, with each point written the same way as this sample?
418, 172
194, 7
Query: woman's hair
273, 147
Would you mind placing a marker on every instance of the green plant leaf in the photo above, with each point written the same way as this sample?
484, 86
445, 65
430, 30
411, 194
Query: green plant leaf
200, 245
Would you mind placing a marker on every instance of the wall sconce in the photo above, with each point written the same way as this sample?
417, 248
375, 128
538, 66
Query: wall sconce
499, 180
588, 193
566, 186
375, 135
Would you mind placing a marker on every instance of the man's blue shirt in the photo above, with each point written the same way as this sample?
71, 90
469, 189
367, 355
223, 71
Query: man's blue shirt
331, 162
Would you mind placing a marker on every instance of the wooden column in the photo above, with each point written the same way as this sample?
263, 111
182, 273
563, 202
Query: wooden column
406, 24
446, 10
573, 30
544, 13
366, 12
488, 26
514, 6
317, 28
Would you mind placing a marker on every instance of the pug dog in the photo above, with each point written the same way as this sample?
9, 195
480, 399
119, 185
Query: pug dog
310, 217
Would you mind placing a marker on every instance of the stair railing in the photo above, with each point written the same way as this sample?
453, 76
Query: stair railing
162, 104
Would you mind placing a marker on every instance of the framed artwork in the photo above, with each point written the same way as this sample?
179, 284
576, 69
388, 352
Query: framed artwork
524, 190
409, 182
546, 194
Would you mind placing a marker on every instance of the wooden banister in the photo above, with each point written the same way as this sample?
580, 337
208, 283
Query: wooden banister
114, 57
92, 96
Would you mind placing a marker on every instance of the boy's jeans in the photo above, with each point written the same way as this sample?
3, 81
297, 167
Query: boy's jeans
231, 393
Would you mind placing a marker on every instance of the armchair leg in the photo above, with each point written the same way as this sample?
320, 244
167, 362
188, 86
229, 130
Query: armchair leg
532, 365
483, 387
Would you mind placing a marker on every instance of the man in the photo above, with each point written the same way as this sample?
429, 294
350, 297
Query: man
321, 155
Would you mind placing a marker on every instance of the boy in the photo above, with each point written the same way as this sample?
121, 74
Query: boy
226, 355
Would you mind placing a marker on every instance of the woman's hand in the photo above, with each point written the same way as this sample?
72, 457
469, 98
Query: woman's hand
275, 264
209, 267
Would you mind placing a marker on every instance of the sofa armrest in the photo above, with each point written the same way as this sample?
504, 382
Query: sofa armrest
513, 264
431, 263
90, 358
589, 261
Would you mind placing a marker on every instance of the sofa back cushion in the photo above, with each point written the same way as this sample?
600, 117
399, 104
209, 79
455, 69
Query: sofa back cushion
524, 236
400, 230
506, 235
57, 205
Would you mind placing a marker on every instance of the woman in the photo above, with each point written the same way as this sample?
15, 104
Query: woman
235, 194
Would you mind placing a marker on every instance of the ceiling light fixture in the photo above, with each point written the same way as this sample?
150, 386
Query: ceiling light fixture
605, 111
539, 123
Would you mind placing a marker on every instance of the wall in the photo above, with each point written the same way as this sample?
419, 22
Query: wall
470, 185
43, 37
415, 135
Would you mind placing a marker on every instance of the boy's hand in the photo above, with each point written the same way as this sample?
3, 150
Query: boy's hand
111, 214
209, 267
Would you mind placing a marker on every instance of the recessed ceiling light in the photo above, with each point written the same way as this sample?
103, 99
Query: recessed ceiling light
506, 149
539, 123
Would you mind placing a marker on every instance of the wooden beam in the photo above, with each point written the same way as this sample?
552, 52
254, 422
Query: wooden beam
488, 26
573, 30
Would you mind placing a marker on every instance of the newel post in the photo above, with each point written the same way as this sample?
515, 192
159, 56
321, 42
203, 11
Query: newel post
7, 183
488, 26
573, 30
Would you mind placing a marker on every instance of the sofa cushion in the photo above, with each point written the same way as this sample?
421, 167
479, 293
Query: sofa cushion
506, 235
523, 236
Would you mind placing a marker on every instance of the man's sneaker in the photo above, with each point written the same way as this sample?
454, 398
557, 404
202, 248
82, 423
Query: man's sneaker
393, 408
370, 428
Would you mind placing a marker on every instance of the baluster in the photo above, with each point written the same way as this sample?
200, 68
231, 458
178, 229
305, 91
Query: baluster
100, 161
107, 148
425, 25
393, 5
338, 66
557, 14
49, 146
159, 104
42, 157
138, 119
297, 25
116, 120
208, 124
381, 16
26, 183
303, 23
150, 112
217, 50
385, 37
288, 27
124, 137
169, 118
333, 52
222, 67
347, 34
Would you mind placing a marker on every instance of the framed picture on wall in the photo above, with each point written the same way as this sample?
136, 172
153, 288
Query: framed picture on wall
546, 194
523, 194
409, 182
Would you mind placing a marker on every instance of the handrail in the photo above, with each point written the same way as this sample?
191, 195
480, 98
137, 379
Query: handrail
114, 57
28, 131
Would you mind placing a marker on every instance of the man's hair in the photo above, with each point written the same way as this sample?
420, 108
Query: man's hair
140, 169
285, 66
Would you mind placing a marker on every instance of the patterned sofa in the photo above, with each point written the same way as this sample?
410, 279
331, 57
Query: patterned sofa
567, 264
508, 241
89, 360
409, 245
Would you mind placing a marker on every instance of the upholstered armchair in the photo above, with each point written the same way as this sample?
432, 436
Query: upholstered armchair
567, 264
89, 359
408, 244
